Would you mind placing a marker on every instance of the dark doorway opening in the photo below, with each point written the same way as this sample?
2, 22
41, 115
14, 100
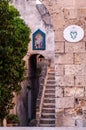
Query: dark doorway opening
34, 82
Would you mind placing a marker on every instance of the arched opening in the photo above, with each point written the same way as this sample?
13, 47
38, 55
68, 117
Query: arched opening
36, 64
34, 84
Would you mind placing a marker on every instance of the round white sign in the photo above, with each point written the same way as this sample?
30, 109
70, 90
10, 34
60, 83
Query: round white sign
73, 33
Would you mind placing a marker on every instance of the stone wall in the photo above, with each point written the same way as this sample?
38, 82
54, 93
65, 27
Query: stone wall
36, 16
70, 63
70, 58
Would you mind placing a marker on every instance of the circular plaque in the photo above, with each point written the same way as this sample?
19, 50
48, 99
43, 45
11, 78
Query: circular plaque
73, 33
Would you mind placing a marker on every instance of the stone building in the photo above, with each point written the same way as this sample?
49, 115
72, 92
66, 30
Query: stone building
67, 58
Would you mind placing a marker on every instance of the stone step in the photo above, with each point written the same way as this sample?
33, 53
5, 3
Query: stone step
47, 121
51, 69
51, 74
49, 105
48, 116
49, 96
47, 101
51, 78
50, 82
48, 110
51, 85
47, 125
50, 88
50, 91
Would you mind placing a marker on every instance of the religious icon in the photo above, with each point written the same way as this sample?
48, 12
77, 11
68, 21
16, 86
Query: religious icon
39, 40
73, 34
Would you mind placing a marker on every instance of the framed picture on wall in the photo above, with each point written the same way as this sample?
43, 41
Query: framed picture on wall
38, 40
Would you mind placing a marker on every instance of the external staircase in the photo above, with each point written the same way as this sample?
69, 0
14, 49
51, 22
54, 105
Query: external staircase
47, 112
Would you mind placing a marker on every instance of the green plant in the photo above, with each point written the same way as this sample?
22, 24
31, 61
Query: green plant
12, 118
14, 39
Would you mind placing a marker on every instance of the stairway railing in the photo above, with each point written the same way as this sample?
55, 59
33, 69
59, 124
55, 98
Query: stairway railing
42, 98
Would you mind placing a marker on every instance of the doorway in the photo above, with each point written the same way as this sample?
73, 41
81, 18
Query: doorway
35, 68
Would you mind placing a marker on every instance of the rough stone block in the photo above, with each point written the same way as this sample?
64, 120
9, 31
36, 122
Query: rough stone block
76, 113
59, 36
59, 47
75, 69
59, 70
84, 122
64, 121
69, 4
65, 80
80, 58
84, 39
59, 111
64, 58
70, 13
74, 91
59, 118
70, 112
68, 121
77, 47
56, 8
81, 103
79, 123
58, 18
59, 92
65, 102
80, 80
81, 3
81, 12
50, 40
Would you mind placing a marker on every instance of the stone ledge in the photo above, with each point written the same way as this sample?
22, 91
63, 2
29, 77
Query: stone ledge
43, 128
